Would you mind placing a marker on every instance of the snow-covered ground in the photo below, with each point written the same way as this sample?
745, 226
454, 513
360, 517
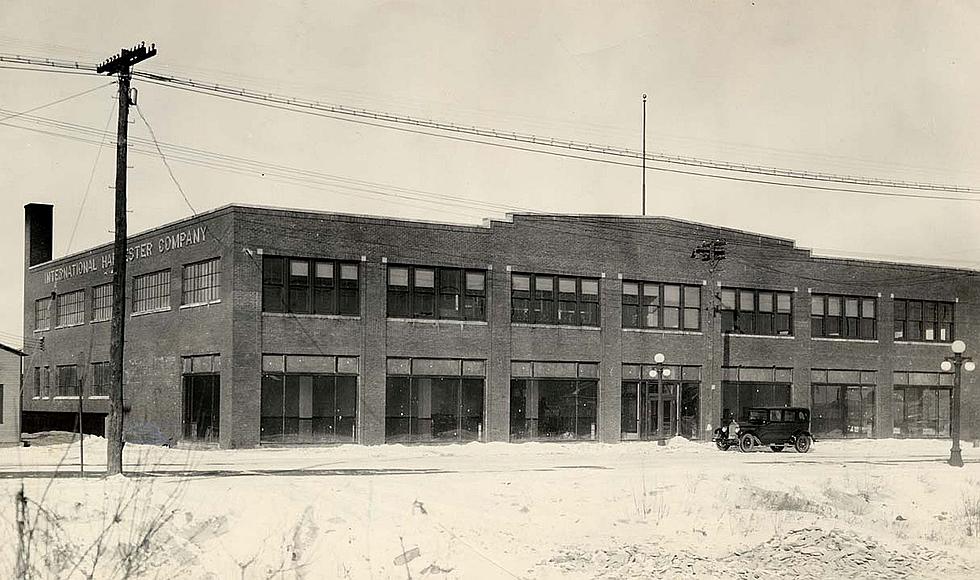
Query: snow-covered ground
856, 509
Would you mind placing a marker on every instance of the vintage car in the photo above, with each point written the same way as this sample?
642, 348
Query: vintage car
777, 427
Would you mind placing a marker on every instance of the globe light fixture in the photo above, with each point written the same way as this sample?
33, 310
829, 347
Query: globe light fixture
956, 363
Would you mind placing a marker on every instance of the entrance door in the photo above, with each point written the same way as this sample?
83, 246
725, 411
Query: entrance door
202, 396
657, 407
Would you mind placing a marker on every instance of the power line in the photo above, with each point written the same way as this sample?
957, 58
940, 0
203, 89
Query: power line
164, 158
88, 186
388, 119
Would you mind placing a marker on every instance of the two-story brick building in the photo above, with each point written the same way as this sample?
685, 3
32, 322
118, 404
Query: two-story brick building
252, 325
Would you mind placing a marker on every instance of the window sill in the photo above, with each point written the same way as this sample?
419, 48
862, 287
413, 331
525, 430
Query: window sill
776, 336
101, 320
320, 316
925, 342
154, 311
66, 397
69, 325
664, 331
556, 326
98, 397
199, 304
438, 321
40, 330
835, 339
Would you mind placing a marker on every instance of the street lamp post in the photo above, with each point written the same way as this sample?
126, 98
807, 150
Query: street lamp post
661, 371
956, 363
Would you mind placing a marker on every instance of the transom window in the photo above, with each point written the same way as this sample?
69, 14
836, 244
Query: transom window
102, 303
151, 292
657, 305
547, 299
309, 286
843, 316
71, 308
42, 314
201, 282
762, 312
923, 320
442, 293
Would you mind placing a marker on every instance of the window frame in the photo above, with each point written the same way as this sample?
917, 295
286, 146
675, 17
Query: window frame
842, 319
342, 291
903, 324
70, 372
147, 303
102, 302
70, 309
732, 318
209, 280
426, 302
546, 306
42, 305
642, 302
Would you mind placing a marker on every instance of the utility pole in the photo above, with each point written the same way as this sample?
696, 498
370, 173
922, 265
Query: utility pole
712, 252
119, 65
644, 156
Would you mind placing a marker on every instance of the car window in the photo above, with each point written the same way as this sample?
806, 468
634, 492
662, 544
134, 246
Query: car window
757, 415
775, 415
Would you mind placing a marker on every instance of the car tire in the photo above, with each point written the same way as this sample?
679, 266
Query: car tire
776, 448
746, 443
802, 443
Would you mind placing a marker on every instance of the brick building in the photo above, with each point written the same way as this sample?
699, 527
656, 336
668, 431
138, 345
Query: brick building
251, 325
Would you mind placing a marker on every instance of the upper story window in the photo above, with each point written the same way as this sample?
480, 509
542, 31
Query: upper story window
71, 308
310, 286
443, 293
834, 316
101, 302
151, 292
42, 314
547, 299
763, 312
656, 305
201, 282
924, 320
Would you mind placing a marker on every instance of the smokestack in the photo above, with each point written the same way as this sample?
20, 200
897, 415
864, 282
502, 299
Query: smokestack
38, 231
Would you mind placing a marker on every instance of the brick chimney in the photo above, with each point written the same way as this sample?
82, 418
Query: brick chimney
38, 231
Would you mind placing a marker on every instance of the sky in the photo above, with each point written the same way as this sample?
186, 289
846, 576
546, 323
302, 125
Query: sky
876, 89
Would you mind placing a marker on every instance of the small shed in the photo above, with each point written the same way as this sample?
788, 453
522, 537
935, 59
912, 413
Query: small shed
10, 385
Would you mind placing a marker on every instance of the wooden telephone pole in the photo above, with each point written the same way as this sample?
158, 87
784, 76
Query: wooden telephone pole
119, 65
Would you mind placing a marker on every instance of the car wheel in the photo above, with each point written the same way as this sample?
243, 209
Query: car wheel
776, 448
802, 443
746, 443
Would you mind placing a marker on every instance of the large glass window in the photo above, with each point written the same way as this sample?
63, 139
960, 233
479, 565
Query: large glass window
308, 399
657, 305
436, 293
553, 400
68, 383
834, 316
843, 403
924, 320
762, 312
151, 292
71, 308
42, 314
101, 302
434, 400
201, 282
546, 299
310, 286
747, 387
921, 403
